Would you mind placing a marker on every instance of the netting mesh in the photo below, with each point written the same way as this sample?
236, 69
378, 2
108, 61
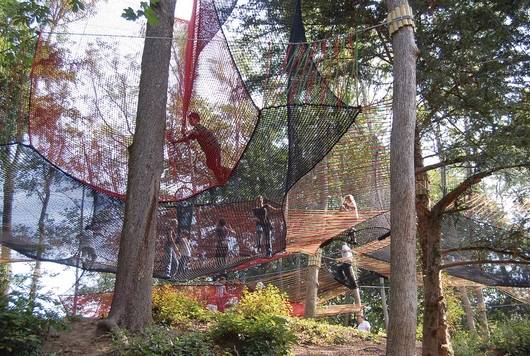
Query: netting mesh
280, 118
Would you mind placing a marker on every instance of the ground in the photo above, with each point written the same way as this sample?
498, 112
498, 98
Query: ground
80, 338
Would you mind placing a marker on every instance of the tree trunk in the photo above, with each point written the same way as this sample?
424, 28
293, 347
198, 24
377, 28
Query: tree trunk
131, 304
481, 311
467, 309
403, 287
436, 340
48, 176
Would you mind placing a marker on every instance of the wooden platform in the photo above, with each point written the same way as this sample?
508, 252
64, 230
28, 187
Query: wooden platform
332, 310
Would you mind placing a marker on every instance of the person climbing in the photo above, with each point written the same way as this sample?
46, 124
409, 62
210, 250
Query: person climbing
221, 231
349, 204
263, 224
87, 252
209, 145
345, 274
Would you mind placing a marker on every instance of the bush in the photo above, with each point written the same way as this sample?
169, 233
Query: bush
23, 326
512, 337
269, 300
160, 340
467, 344
177, 309
265, 334
257, 325
312, 332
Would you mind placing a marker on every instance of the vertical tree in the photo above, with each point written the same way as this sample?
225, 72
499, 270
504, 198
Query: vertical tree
131, 304
403, 289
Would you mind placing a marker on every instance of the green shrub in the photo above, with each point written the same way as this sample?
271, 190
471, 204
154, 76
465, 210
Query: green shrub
23, 326
312, 332
160, 340
177, 309
511, 337
467, 344
269, 300
265, 334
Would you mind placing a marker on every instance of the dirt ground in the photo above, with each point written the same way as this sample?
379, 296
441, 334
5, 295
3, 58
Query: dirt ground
80, 338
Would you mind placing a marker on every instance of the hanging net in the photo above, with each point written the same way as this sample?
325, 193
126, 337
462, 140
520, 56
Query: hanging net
282, 128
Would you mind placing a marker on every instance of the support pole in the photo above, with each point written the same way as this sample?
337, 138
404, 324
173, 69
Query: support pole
383, 300
313, 266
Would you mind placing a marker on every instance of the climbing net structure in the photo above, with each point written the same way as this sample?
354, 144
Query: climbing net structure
300, 122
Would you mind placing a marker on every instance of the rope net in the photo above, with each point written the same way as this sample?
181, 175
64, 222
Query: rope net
282, 128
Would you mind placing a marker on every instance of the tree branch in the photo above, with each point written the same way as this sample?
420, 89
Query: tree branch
483, 262
485, 248
443, 203
448, 162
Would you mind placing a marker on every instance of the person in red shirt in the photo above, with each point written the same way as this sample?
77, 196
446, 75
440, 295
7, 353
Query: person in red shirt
209, 145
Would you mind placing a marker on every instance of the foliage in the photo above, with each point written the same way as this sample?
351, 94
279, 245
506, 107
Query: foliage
269, 300
24, 325
309, 331
455, 311
146, 9
467, 344
176, 308
257, 325
511, 337
264, 334
160, 340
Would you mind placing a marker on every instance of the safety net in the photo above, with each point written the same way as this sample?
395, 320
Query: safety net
284, 128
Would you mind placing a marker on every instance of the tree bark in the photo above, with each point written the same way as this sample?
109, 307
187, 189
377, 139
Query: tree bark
131, 304
403, 286
481, 311
470, 321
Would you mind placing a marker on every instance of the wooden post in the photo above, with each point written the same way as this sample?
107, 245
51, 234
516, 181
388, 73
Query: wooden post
313, 266
403, 286
383, 300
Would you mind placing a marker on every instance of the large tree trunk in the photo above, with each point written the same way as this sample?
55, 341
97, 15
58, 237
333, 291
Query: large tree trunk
467, 309
436, 339
131, 304
403, 287
481, 311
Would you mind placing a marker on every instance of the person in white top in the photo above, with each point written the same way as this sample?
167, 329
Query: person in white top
345, 272
362, 324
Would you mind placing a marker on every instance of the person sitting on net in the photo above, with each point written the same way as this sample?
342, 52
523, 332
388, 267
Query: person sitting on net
263, 224
345, 274
209, 145
362, 324
87, 252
